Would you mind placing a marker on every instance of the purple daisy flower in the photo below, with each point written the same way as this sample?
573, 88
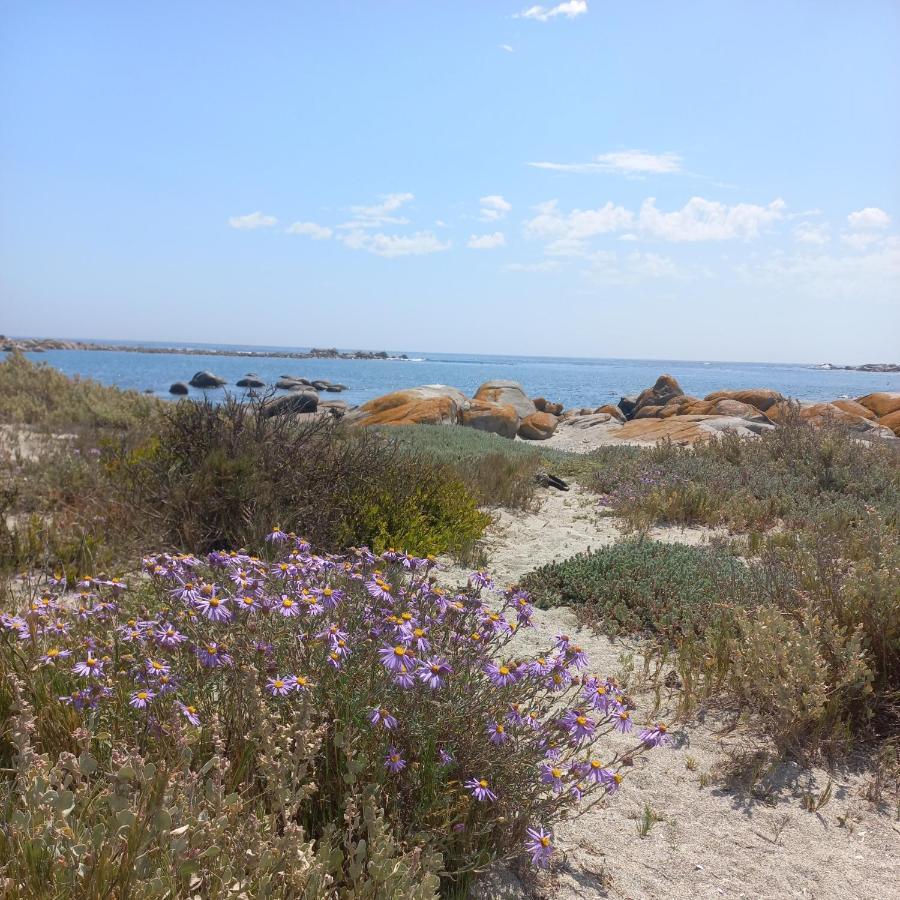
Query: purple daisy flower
214, 608
190, 713
168, 635
480, 789
501, 675
540, 846
405, 676
578, 724
288, 606
553, 776
393, 762
140, 699
434, 672
278, 686
213, 656
394, 658
91, 667
497, 732
445, 757
657, 736
53, 654
595, 772
380, 716
623, 721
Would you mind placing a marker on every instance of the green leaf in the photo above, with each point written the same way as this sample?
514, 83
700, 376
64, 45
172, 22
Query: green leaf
87, 764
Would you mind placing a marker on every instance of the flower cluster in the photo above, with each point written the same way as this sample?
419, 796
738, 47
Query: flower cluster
425, 682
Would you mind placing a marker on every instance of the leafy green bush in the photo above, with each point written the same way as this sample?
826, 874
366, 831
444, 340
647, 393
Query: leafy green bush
39, 395
644, 587
220, 476
497, 471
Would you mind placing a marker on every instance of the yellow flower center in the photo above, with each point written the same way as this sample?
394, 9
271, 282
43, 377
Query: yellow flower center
142, 695
287, 603
503, 670
279, 683
399, 651
581, 720
483, 783
556, 773
53, 652
545, 842
596, 764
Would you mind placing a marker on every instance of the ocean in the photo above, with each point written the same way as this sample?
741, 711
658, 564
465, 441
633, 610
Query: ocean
572, 382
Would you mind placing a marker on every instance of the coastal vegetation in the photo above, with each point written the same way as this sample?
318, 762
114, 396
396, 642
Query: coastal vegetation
283, 712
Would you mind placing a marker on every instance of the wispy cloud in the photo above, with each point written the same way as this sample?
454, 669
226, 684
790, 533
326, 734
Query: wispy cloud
870, 217
569, 10
380, 214
310, 229
808, 233
486, 241
252, 220
494, 208
569, 233
621, 162
507, 48
708, 220
393, 245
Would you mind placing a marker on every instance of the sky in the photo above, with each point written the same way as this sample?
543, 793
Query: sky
693, 180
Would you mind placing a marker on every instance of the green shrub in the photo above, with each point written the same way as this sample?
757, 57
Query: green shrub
644, 587
795, 474
39, 395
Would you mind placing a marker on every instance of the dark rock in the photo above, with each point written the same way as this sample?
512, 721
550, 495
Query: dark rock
206, 380
292, 383
251, 381
289, 404
179, 388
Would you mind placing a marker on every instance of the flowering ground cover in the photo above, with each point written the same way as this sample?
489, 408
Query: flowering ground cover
290, 725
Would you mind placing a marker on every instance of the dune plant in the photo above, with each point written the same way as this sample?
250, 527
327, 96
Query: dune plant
290, 725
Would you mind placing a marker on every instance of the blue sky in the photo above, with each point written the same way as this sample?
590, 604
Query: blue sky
701, 180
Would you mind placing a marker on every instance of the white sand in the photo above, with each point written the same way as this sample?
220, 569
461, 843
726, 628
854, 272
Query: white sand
712, 841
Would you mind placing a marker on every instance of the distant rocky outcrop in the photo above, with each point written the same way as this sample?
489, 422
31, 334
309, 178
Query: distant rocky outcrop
866, 367
250, 381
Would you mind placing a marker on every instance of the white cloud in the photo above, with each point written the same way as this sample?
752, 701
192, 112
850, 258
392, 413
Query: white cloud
252, 220
380, 214
310, 229
393, 245
873, 276
623, 162
494, 207
708, 220
569, 10
486, 241
870, 217
507, 48
569, 232
807, 233
545, 265
859, 240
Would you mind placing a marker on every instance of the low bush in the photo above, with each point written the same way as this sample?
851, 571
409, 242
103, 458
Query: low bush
644, 587
218, 476
497, 471
39, 395
804, 638
794, 474
297, 726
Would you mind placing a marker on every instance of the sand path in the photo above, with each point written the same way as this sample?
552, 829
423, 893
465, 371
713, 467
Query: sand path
711, 841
